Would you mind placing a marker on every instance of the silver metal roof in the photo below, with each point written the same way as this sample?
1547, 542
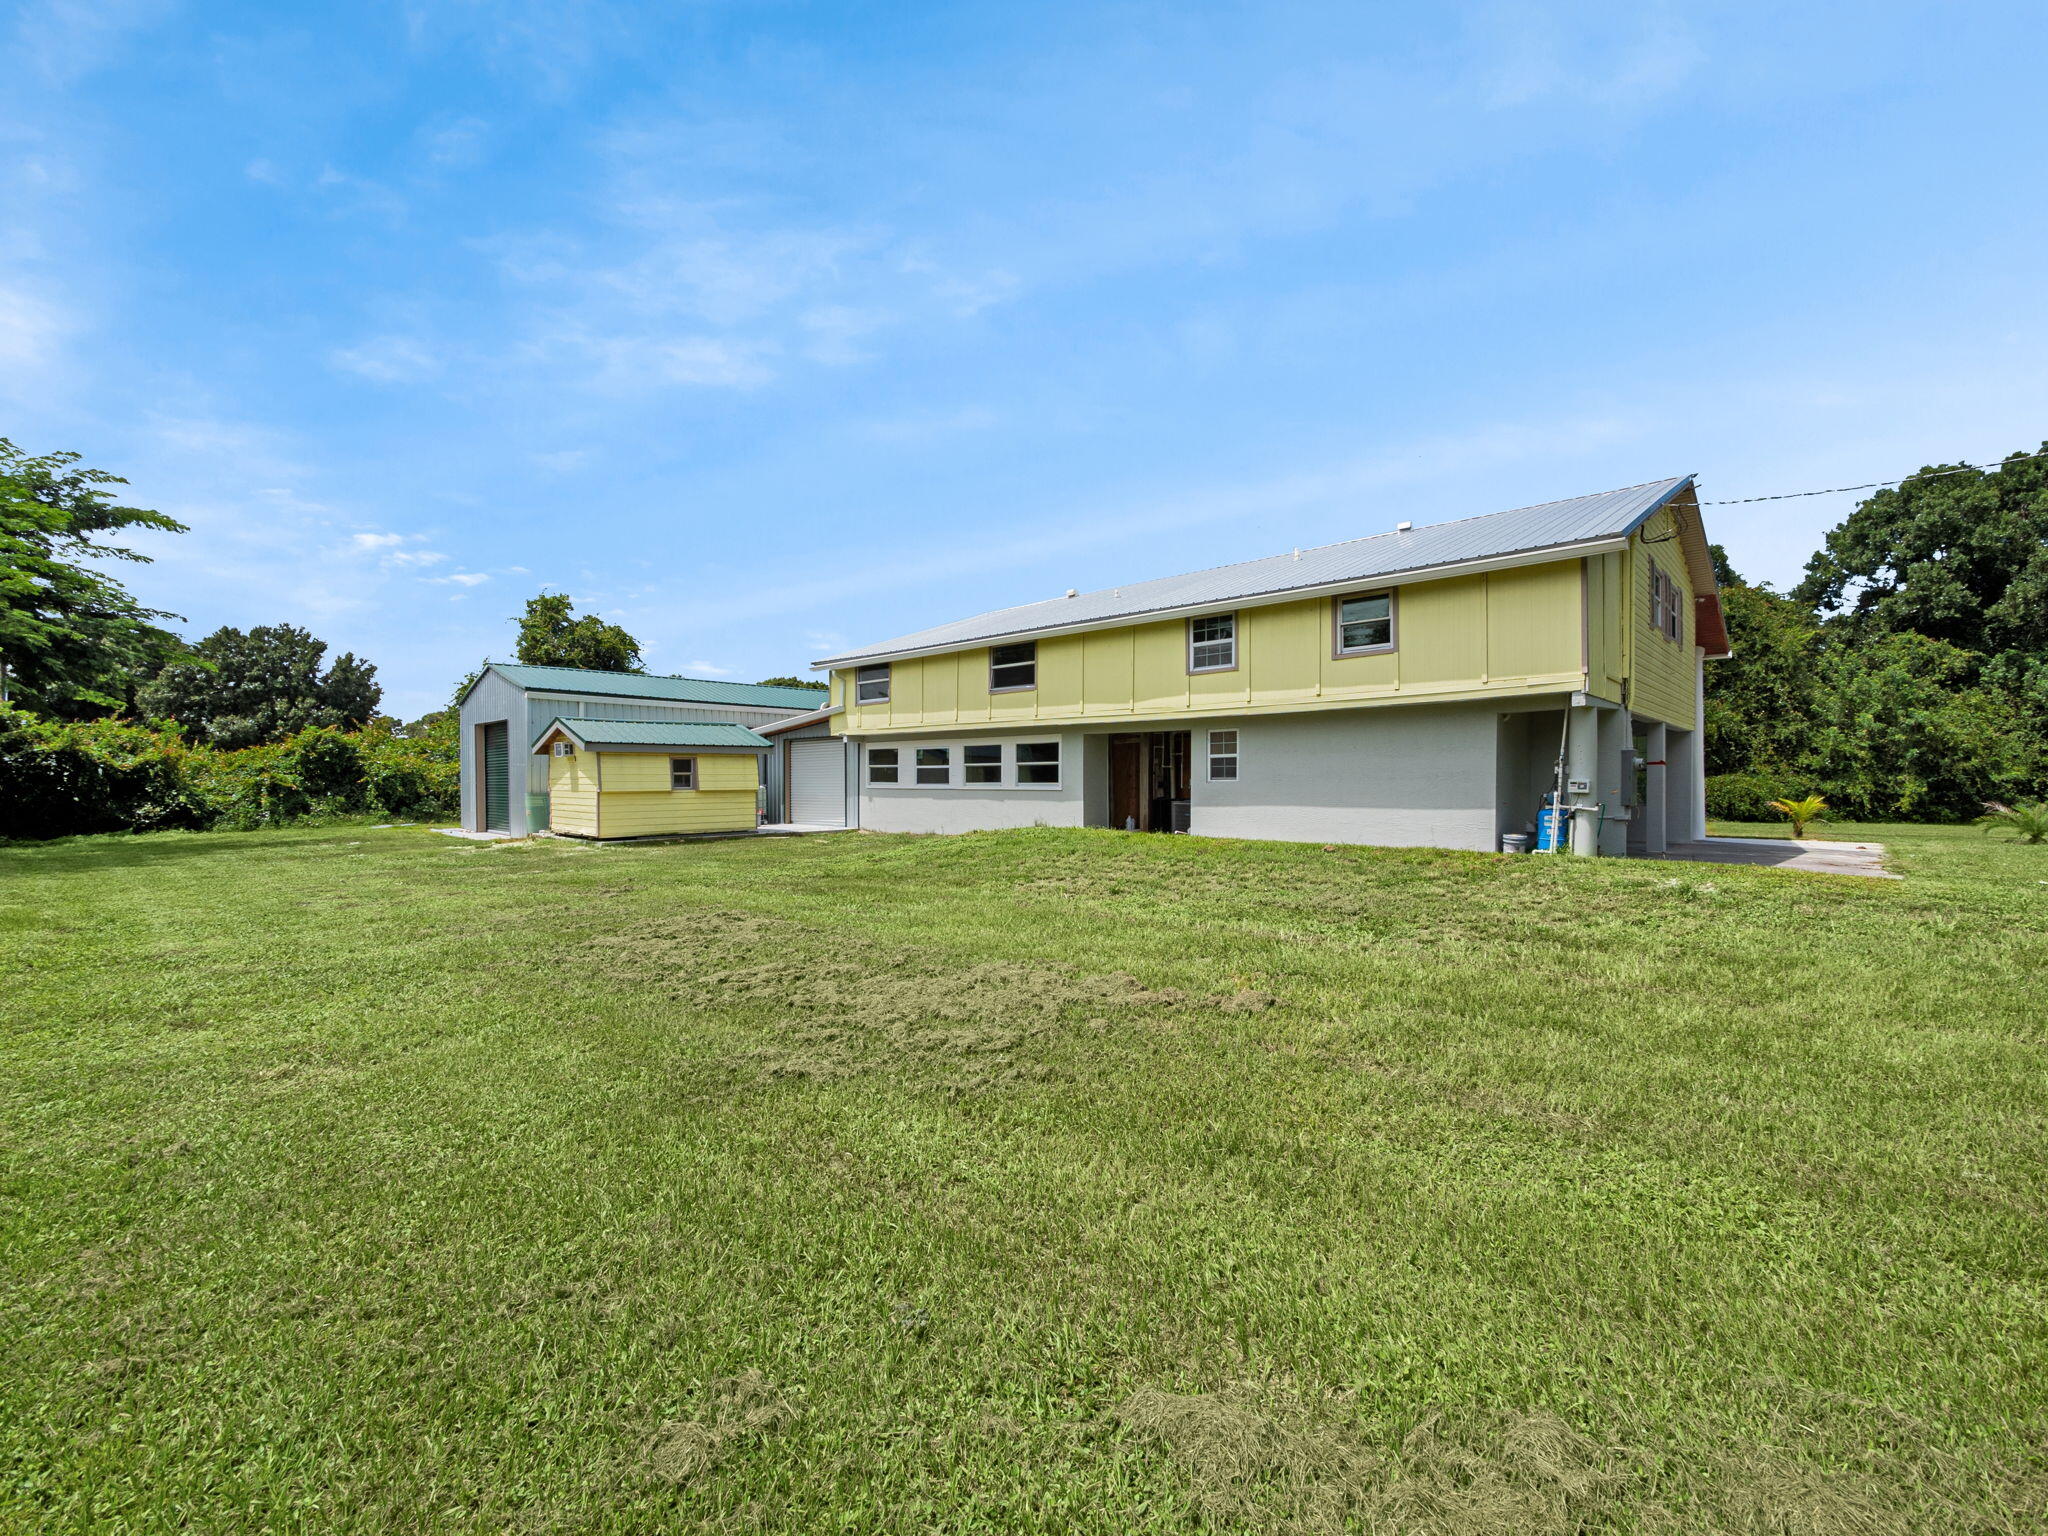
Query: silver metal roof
1525, 530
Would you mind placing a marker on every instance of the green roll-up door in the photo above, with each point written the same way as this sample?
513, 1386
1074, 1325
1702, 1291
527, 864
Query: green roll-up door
497, 778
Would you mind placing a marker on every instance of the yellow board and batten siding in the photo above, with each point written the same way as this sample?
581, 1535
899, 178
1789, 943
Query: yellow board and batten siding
1663, 673
1498, 635
627, 794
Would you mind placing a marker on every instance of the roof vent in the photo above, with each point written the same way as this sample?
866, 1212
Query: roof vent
1073, 591
1297, 552
1402, 527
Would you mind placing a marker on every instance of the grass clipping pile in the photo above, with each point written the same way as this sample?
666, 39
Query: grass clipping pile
836, 1012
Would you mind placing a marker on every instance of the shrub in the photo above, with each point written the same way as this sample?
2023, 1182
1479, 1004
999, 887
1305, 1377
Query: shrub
63, 777
2028, 822
1741, 797
1802, 812
59, 779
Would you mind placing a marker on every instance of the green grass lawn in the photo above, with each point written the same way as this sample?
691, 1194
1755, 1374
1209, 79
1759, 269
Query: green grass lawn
368, 1180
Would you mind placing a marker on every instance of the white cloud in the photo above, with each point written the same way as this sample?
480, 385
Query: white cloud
708, 669
376, 541
64, 39
388, 360
459, 579
563, 461
30, 330
454, 145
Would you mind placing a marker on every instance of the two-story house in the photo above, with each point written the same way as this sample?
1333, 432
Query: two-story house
1428, 686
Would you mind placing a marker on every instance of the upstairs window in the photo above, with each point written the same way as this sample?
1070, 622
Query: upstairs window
934, 765
1666, 614
871, 685
882, 767
1212, 643
1013, 668
682, 773
1038, 762
982, 764
1365, 623
1222, 755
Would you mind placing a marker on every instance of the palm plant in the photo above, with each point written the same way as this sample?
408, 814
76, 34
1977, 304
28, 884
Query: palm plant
2029, 821
1800, 813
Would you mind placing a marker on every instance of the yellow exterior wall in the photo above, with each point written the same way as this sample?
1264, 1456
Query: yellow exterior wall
1501, 634
572, 795
1661, 672
627, 794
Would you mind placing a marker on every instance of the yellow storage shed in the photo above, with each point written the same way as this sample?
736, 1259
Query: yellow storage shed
651, 778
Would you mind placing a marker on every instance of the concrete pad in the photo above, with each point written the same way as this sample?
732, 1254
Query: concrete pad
1808, 854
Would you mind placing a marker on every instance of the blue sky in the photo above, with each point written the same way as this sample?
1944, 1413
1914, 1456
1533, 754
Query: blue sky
767, 328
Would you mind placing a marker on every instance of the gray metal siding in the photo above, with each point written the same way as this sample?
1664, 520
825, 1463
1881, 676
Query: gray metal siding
491, 699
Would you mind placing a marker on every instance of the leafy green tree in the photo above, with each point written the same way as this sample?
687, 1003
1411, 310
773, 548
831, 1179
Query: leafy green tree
551, 636
1958, 555
73, 642
1762, 699
239, 689
794, 682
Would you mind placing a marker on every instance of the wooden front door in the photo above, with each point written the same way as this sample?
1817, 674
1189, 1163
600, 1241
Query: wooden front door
1127, 806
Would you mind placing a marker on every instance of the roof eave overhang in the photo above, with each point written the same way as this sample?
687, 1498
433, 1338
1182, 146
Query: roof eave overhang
1601, 546
797, 722
677, 748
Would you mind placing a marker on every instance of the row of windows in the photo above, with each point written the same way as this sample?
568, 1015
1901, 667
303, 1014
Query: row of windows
1361, 625
1032, 763
1029, 765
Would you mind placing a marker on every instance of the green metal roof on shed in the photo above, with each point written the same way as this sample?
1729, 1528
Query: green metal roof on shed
599, 734
637, 685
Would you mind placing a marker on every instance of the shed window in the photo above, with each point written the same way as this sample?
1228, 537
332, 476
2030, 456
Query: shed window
871, 685
1212, 643
882, 765
934, 765
1365, 622
682, 773
982, 764
1222, 755
1013, 666
563, 749
1038, 762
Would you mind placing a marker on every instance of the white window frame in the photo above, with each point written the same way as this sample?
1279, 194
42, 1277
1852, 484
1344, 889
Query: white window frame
1009, 768
1665, 613
919, 768
564, 749
864, 678
1058, 765
1234, 756
1030, 663
1195, 645
684, 768
1337, 645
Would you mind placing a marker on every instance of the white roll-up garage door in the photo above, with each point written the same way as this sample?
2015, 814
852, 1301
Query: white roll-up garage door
817, 782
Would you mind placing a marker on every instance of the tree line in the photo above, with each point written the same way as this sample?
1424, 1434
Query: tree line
1905, 676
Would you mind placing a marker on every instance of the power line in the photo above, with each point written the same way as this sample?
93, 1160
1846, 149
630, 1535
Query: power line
1935, 474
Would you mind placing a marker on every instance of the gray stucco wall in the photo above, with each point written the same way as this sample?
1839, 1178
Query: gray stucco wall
1416, 776
970, 808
